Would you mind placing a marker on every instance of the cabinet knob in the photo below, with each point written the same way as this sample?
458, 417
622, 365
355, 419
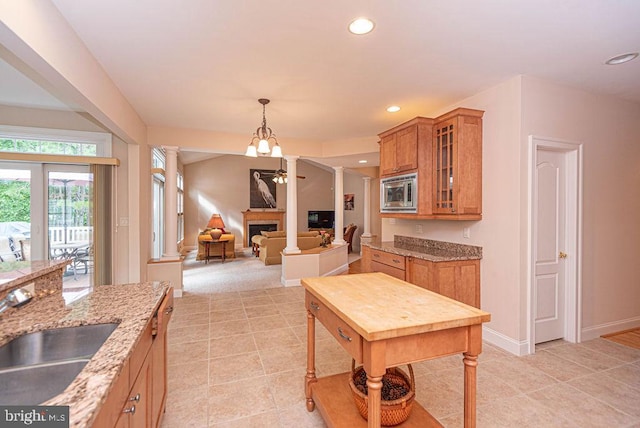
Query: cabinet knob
169, 310
314, 306
136, 398
131, 410
396, 261
344, 336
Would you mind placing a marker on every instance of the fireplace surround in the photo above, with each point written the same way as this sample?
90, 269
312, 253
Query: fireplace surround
265, 218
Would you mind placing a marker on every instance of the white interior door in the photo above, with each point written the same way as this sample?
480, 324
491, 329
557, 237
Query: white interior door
549, 225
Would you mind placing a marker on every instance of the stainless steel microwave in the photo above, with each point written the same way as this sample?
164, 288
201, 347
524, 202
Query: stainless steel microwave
399, 194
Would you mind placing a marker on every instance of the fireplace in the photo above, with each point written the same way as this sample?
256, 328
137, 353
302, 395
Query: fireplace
255, 229
256, 221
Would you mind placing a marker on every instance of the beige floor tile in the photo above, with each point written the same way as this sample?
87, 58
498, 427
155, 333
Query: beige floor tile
616, 394
287, 387
621, 352
179, 353
628, 374
229, 328
189, 319
289, 307
253, 293
241, 399
556, 367
276, 338
519, 411
284, 359
183, 377
226, 304
298, 318
186, 409
261, 311
517, 374
579, 407
227, 315
234, 368
297, 416
191, 333
260, 420
586, 357
271, 322
439, 398
231, 345
249, 302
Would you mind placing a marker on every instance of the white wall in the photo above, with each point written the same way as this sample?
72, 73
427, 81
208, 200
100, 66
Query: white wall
610, 130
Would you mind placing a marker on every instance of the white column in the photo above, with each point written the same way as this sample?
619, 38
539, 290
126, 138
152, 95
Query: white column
339, 206
367, 208
292, 207
170, 204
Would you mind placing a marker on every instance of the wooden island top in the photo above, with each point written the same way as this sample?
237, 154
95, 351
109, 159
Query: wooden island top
383, 322
379, 306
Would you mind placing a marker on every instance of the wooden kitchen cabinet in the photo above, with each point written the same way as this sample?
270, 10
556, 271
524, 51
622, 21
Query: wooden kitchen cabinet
457, 165
401, 146
459, 280
389, 263
142, 383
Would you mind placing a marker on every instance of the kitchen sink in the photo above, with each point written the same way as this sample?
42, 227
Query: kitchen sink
55, 345
32, 385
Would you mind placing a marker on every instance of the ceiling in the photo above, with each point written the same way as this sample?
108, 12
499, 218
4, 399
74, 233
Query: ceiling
203, 64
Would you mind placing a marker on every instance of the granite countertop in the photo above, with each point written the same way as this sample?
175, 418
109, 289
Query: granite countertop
130, 305
17, 273
426, 249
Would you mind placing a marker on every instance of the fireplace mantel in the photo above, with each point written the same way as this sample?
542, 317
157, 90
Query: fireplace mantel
257, 217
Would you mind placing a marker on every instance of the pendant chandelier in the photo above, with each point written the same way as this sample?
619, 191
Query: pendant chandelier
263, 136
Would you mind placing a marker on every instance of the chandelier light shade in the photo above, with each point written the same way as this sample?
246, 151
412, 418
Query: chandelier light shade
216, 225
263, 136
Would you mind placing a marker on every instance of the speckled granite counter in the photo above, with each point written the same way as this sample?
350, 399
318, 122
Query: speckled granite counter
14, 274
130, 305
427, 249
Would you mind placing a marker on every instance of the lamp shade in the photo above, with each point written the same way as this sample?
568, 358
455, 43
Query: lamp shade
215, 222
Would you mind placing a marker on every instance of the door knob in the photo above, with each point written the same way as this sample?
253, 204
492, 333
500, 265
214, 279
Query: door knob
562, 255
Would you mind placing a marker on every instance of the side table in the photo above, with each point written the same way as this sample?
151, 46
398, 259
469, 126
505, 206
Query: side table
207, 247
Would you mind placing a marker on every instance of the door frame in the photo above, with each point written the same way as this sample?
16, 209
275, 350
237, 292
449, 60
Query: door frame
573, 236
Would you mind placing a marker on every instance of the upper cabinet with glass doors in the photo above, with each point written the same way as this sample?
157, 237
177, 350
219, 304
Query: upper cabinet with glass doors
446, 154
457, 165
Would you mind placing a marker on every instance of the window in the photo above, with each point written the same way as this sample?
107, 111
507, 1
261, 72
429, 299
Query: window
19, 139
180, 203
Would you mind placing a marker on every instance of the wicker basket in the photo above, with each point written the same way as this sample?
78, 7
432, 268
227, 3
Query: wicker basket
392, 412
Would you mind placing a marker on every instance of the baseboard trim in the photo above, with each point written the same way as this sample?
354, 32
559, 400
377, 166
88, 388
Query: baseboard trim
596, 331
506, 343
296, 281
338, 270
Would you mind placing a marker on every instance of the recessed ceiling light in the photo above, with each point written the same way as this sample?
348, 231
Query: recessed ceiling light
621, 59
361, 26
393, 109
362, 161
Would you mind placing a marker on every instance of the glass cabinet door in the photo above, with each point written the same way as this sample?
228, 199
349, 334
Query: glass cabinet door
444, 156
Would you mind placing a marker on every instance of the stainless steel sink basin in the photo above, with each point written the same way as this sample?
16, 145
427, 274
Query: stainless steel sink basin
32, 385
55, 345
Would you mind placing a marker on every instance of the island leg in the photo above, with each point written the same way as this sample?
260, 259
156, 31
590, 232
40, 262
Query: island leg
310, 378
374, 384
470, 364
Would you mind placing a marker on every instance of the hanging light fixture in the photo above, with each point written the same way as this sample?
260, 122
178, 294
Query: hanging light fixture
263, 136
280, 177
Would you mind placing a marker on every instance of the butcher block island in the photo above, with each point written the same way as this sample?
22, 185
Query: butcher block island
384, 322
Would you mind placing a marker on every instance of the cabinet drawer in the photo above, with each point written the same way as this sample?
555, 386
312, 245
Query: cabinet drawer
345, 335
389, 270
388, 259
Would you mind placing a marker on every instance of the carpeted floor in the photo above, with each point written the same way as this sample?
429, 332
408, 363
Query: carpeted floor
243, 273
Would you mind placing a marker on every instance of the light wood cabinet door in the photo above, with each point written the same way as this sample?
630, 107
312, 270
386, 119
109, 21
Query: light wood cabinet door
140, 396
459, 280
388, 155
399, 151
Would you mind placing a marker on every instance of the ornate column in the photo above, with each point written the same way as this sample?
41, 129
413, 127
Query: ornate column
170, 204
339, 206
292, 207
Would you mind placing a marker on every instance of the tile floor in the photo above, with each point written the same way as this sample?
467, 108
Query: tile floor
238, 360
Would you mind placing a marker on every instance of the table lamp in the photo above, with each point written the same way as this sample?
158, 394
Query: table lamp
215, 224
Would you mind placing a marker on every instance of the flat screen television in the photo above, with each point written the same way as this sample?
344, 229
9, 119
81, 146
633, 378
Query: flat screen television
321, 219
